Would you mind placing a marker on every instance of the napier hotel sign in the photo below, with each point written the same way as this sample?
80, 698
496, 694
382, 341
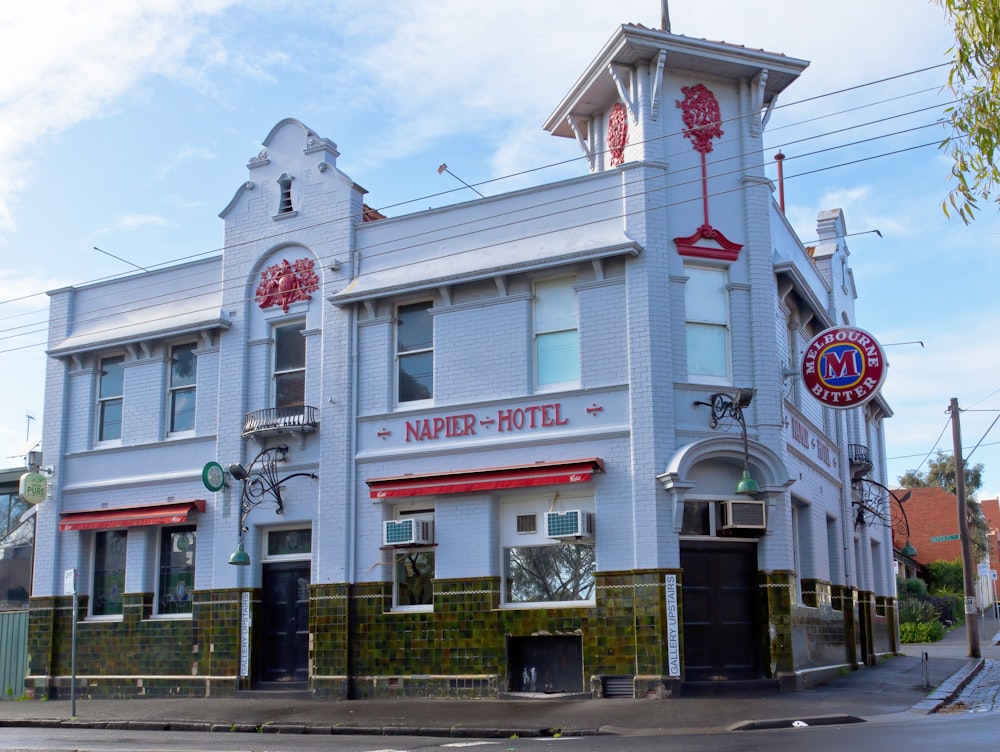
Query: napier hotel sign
843, 367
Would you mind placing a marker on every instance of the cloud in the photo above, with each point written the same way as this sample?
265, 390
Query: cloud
73, 61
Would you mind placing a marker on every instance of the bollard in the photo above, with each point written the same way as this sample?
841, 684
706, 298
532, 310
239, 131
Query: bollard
925, 669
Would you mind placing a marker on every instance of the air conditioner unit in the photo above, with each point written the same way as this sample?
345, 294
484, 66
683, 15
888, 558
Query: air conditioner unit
744, 515
408, 532
573, 523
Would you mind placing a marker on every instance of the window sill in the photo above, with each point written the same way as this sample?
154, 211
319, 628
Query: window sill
171, 617
548, 604
104, 618
412, 610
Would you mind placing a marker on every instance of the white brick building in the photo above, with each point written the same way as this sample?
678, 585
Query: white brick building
504, 435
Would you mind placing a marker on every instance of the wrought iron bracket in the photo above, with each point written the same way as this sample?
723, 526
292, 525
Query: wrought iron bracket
261, 482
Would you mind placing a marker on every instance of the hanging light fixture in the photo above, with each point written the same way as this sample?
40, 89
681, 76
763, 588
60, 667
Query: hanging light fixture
731, 406
261, 485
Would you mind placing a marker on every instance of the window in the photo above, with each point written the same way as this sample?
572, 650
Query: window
538, 569
413, 568
177, 550
414, 352
707, 311
183, 372
109, 573
543, 574
285, 200
557, 337
289, 543
109, 409
414, 575
289, 365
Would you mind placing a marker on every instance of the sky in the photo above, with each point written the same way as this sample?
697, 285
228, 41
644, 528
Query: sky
127, 126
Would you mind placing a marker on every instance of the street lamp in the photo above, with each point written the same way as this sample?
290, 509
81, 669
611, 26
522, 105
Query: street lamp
261, 485
731, 406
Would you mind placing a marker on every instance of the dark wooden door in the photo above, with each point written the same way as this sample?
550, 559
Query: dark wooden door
545, 664
284, 638
721, 631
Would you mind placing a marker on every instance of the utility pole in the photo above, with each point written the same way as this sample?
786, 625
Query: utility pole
968, 569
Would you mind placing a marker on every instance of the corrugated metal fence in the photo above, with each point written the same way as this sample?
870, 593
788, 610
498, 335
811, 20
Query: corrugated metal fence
13, 653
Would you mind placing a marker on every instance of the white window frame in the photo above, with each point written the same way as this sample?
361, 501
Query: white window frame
423, 513
173, 390
161, 533
103, 400
279, 529
276, 373
403, 354
513, 506
93, 577
549, 327
707, 318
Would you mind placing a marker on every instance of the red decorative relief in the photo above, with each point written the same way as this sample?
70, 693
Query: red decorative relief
703, 122
702, 118
283, 284
617, 134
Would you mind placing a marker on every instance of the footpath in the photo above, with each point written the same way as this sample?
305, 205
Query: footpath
927, 678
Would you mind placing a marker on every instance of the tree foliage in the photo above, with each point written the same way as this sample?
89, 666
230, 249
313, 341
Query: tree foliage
974, 79
941, 474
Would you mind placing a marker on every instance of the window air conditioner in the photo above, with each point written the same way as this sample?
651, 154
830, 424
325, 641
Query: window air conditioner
743, 515
573, 523
408, 532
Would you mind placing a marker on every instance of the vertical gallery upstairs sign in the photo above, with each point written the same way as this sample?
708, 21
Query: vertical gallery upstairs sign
844, 367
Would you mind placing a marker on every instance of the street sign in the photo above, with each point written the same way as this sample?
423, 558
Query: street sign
941, 538
983, 570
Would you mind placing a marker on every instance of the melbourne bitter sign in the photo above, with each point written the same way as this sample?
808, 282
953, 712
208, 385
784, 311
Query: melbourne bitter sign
843, 366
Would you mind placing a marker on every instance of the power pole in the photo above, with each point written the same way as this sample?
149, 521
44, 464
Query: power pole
968, 568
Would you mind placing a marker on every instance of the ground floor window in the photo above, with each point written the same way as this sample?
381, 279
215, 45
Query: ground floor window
176, 580
109, 572
414, 573
559, 572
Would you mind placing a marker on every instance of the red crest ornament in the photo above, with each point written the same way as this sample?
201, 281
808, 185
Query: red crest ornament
701, 116
283, 284
617, 134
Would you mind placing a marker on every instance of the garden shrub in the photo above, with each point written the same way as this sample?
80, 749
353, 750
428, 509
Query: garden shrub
910, 632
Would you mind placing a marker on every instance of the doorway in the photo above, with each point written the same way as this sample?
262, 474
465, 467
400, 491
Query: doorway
283, 641
550, 665
720, 611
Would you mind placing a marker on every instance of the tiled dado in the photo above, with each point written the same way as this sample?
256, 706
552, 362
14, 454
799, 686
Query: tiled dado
135, 655
363, 649
778, 591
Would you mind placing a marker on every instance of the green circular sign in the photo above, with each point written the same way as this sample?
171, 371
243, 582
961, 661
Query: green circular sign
33, 488
213, 476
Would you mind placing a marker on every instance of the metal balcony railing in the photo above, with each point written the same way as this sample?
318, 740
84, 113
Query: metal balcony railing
273, 421
860, 457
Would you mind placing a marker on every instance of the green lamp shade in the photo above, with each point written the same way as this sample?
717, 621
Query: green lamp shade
909, 549
240, 558
747, 485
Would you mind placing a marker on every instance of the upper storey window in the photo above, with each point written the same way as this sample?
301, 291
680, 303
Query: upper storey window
109, 402
707, 325
557, 334
183, 372
289, 365
414, 352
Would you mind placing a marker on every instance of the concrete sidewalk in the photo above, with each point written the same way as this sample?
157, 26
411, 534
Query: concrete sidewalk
894, 686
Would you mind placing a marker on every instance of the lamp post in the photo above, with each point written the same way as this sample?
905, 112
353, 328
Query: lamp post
261, 485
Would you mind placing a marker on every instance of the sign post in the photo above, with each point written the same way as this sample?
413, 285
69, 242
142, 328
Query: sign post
70, 577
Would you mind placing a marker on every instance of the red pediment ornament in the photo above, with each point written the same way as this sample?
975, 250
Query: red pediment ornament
286, 283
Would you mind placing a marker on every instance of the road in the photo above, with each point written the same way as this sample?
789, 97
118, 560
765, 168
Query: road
912, 732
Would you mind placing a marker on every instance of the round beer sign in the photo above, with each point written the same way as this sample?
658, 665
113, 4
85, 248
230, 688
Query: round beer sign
844, 366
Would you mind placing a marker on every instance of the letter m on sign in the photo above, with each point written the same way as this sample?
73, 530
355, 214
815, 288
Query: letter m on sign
840, 364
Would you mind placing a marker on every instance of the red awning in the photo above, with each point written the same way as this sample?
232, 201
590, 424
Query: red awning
164, 513
486, 479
